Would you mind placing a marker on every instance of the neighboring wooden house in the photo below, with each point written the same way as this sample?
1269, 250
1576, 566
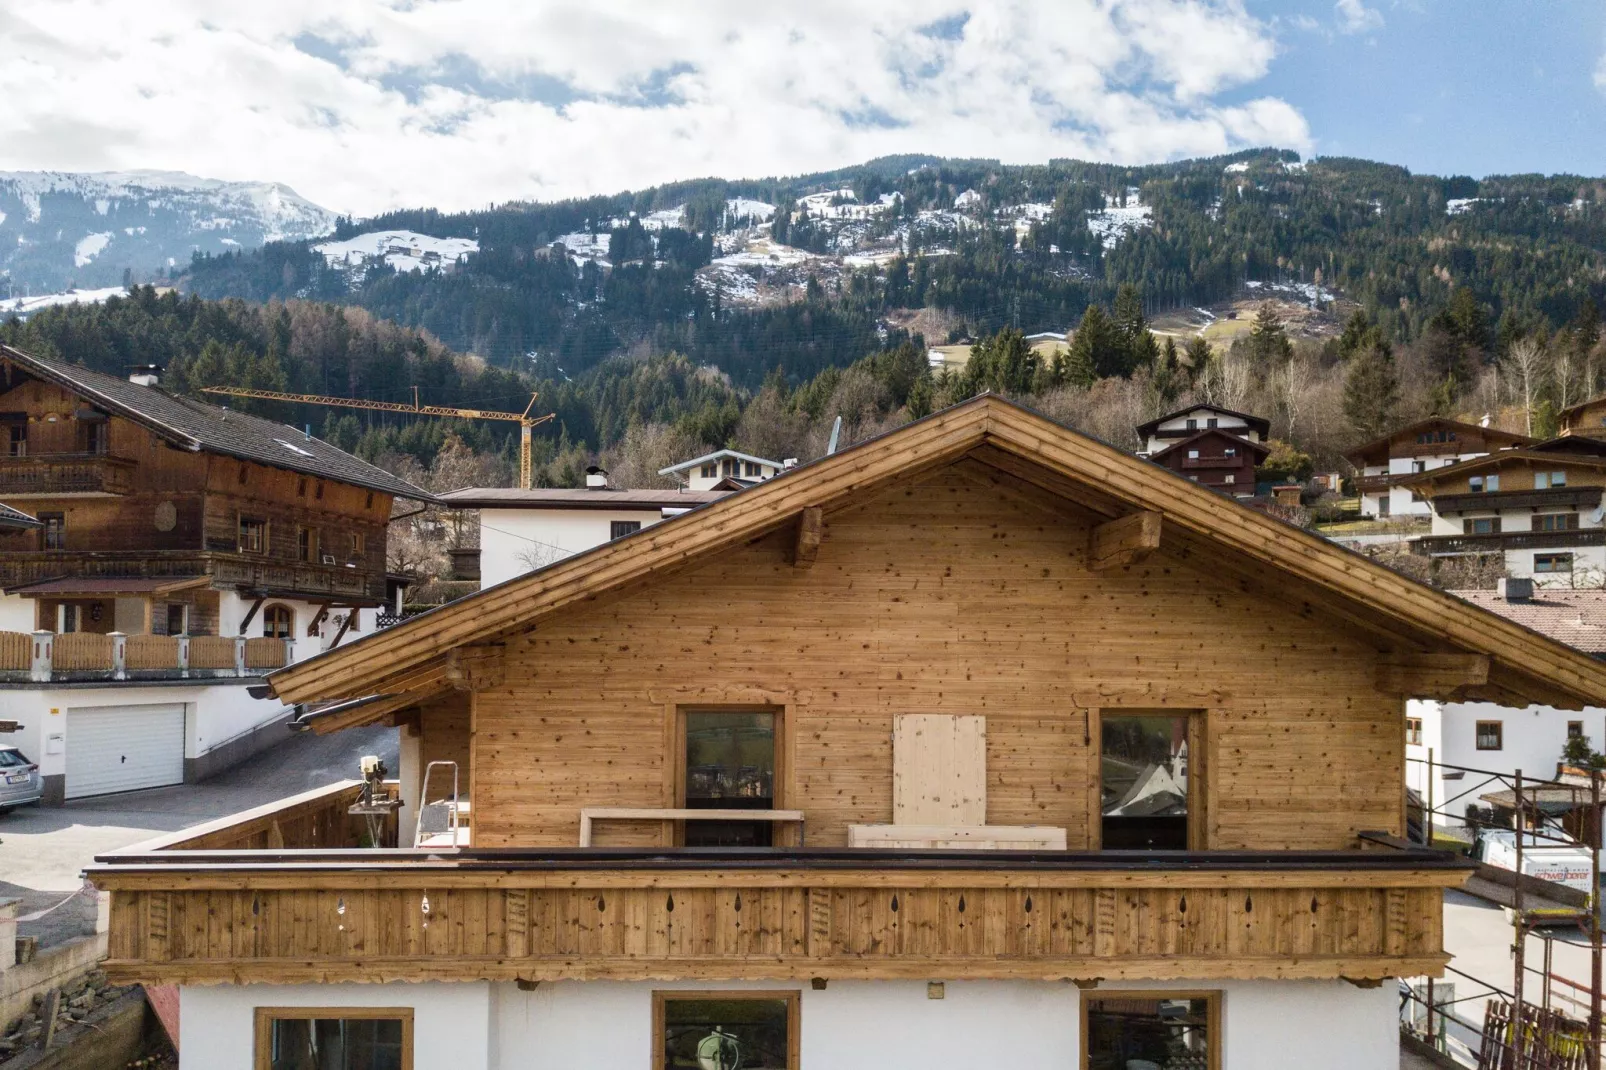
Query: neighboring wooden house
1164, 431
979, 630
1385, 465
1218, 459
1538, 506
176, 543
1586, 418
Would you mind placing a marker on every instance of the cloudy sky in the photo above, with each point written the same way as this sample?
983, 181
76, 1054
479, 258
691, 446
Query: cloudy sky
363, 105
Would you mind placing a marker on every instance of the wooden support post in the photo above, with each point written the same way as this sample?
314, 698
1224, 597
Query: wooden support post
1431, 676
810, 530
345, 626
1124, 542
474, 668
249, 617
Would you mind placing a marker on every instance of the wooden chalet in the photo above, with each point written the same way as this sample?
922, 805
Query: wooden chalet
1214, 458
1587, 418
962, 713
151, 504
1385, 466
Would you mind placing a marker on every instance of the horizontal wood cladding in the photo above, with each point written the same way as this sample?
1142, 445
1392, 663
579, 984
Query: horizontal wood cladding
944, 596
425, 926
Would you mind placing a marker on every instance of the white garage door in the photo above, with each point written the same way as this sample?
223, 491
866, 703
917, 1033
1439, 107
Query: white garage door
122, 748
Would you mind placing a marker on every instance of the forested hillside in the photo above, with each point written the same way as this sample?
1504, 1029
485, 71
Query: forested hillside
810, 272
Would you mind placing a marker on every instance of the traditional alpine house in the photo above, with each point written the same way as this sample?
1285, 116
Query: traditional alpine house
979, 742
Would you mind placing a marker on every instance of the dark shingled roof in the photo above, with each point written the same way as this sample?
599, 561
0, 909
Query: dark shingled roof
576, 498
15, 518
1577, 618
197, 426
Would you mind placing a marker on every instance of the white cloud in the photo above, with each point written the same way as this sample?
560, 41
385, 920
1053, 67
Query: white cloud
1600, 73
1355, 17
370, 104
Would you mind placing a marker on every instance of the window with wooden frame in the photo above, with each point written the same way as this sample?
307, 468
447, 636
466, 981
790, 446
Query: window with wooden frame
1555, 522
618, 529
1147, 780
356, 544
278, 622
95, 437
16, 435
750, 1030
1413, 731
1553, 563
1575, 729
1122, 1030
334, 1038
307, 545
1490, 735
53, 531
253, 535
729, 758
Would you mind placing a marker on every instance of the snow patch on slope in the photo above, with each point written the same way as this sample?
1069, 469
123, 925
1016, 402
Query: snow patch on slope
403, 250
89, 247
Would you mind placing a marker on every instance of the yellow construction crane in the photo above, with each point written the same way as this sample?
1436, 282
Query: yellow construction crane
524, 419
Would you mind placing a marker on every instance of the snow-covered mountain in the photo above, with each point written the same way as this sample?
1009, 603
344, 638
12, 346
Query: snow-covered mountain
60, 230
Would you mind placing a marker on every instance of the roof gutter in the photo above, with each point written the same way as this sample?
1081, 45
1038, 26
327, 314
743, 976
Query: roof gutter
302, 721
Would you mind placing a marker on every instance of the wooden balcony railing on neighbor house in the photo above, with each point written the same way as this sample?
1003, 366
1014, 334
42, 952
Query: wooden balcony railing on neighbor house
1444, 545
45, 657
234, 570
55, 474
199, 909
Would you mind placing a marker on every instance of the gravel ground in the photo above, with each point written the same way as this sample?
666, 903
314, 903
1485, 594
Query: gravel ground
43, 850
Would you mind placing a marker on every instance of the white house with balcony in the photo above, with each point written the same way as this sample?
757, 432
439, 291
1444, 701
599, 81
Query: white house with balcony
724, 470
1163, 432
1539, 508
1385, 465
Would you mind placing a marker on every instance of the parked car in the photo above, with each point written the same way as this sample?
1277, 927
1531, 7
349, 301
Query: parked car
19, 779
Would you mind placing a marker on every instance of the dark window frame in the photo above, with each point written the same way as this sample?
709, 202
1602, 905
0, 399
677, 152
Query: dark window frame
1198, 826
262, 1056
1212, 997
1489, 735
52, 531
1551, 563
618, 529
794, 1015
679, 764
254, 523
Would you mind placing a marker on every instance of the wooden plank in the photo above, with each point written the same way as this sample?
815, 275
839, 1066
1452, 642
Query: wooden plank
1430, 675
810, 530
474, 668
939, 770
1124, 542
968, 837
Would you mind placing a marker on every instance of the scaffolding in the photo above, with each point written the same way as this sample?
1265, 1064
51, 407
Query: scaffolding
1562, 1029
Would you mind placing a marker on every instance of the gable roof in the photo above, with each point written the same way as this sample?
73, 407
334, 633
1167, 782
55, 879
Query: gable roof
410, 662
1256, 423
716, 455
1569, 410
16, 518
1577, 618
198, 427
1500, 459
576, 498
1490, 434
1259, 448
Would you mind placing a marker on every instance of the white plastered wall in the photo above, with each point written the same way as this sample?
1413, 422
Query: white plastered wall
513, 541
851, 1025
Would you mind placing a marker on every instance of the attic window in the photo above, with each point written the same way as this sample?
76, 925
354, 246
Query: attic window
1547, 480
318, 492
243, 475
369, 504
301, 487
292, 447
710, 471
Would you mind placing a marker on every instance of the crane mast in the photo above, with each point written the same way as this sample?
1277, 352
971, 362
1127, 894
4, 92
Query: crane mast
524, 419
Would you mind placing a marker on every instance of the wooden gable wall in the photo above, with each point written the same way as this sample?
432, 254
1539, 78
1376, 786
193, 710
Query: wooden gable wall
940, 596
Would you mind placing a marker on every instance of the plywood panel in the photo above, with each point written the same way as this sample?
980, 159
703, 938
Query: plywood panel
939, 769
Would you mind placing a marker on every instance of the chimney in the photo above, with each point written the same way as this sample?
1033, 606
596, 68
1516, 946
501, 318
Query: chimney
1513, 589
145, 375
596, 478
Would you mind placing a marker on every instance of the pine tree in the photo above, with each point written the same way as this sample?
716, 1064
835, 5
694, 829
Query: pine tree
1371, 392
1098, 345
1269, 346
1196, 355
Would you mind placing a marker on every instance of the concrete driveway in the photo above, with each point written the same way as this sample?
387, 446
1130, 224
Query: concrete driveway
43, 851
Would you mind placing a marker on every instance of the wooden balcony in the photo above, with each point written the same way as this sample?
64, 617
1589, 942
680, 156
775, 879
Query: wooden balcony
54, 475
1551, 498
244, 571
1373, 484
192, 910
1446, 545
45, 657
1214, 461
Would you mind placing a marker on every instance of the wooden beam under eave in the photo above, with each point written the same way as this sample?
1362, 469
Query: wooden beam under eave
1432, 676
810, 532
474, 668
1124, 541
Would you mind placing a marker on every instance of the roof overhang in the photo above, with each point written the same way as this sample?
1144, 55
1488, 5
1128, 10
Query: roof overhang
108, 587
1006, 447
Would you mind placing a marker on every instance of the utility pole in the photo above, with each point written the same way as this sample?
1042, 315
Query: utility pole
1522, 937
1594, 919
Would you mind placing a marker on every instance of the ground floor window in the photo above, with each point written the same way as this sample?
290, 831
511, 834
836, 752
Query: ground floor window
725, 1030
334, 1038
1140, 1030
1553, 563
1413, 731
1491, 735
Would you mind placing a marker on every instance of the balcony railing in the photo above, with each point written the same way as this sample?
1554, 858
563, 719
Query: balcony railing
44, 475
197, 908
1372, 484
244, 571
45, 657
1216, 461
1552, 498
1446, 545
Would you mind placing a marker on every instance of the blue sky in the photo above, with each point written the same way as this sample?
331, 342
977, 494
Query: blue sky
1447, 86
366, 105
